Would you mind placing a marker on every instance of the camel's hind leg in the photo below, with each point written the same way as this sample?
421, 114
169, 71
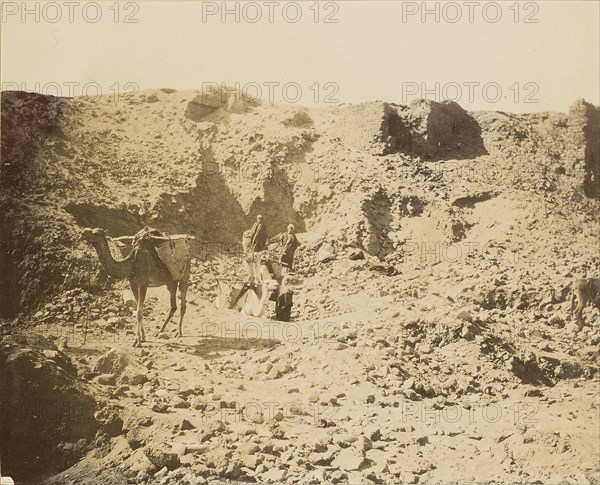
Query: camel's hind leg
172, 287
140, 336
183, 287
134, 290
579, 312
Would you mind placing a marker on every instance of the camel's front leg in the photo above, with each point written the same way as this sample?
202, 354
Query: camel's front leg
140, 335
183, 295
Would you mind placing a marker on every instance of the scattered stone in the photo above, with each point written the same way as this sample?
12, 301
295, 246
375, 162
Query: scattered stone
321, 459
106, 379
422, 440
160, 407
179, 448
356, 254
572, 327
179, 403
373, 432
161, 458
363, 444
134, 376
186, 425
408, 477
134, 438
345, 439
348, 460
273, 373
449, 383
464, 315
568, 370
234, 470
275, 475
252, 461
408, 383
187, 460
198, 403
192, 388
50, 354
533, 393
466, 332
249, 449
213, 429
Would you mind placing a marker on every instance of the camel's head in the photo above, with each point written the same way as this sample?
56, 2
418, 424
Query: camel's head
270, 285
291, 281
93, 235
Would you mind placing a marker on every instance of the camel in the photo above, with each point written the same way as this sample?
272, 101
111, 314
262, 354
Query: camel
143, 269
587, 291
252, 300
254, 297
251, 304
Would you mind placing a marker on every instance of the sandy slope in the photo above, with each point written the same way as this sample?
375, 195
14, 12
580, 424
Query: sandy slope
445, 354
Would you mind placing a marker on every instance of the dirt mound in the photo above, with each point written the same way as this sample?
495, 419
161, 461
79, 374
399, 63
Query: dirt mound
47, 415
425, 128
566, 148
29, 121
299, 119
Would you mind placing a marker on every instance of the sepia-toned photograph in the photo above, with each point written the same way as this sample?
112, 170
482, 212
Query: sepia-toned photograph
300, 242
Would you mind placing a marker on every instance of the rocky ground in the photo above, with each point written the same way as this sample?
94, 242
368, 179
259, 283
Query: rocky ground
435, 347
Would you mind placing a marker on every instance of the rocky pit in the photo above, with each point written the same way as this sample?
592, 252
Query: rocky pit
436, 347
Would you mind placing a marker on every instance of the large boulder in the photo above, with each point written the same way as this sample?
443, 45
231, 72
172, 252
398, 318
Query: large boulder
442, 130
373, 127
115, 361
219, 98
160, 457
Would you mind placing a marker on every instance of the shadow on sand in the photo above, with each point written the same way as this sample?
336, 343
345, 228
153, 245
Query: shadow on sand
209, 347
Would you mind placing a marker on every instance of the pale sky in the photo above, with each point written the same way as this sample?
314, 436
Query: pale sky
536, 56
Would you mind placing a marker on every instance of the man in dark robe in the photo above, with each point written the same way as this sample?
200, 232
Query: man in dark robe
285, 300
289, 243
258, 235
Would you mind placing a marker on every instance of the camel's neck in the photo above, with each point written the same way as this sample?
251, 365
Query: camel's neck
264, 298
115, 269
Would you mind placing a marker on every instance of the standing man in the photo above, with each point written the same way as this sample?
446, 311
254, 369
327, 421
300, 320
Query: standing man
285, 300
254, 240
289, 243
258, 235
